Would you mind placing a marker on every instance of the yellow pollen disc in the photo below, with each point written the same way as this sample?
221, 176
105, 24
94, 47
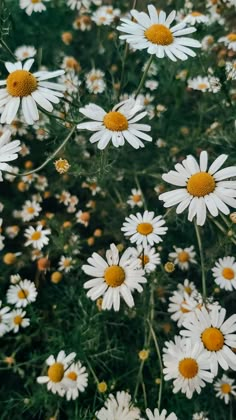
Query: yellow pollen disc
202, 86
30, 210
196, 14
231, 37
144, 228
159, 34
225, 388
188, 290
188, 368
56, 372
184, 310
212, 339
72, 375
18, 320
183, 256
201, 184
67, 262
228, 273
35, 236
21, 83
115, 121
22, 294
145, 259
36, 1
114, 276
136, 198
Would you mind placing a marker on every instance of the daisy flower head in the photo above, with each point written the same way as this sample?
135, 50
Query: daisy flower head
114, 278
30, 210
181, 305
188, 365
145, 228
27, 90
225, 388
17, 319
153, 32
75, 380
8, 152
160, 415
31, 6
230, 68
22, 294
187, 287
229, 40
183, 257
24, 52
195, 17
56, 372
199, 83
135, 199
65, 264
4, 319
215, 333
78, 4
118, 125
118, 407
38, 237
201, 190
225, 273
148, 257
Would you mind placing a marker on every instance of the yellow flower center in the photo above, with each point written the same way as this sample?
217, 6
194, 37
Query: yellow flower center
136, 198
159, 34
145, 259
228, 273
231, 37
115, 121
36, 1
212, 339
144, 228
202, 86
225, 388
114, 276
188, 290
184, 310
36, 236
195, 14
67, 262
30, 210
17, 320
56, 372
72, 375
201, 184
22, 294
62, 165
188, 368
21, 83
183, 256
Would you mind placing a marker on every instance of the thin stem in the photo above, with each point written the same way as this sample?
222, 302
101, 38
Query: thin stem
144, 76
199, 240
138, 379
4, 45
154, 337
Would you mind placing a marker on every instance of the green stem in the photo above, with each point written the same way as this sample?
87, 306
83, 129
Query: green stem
160, 363
199, 240
4, 45
139, 378
144, 76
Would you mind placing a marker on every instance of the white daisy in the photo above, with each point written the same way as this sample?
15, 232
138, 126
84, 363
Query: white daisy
201, 190
135, 199
224, 388
24, 52
199, 83
118, 407
17, 319
22, 294
28, 89
75, 380
230, 68
160, 415
195, 17
144, 229
225, 273
78, 4
148, 258
187, 287
187, 364
113, 278
4, 319
37, 237
105, 15
211, 329
31, 6
229, 41
183, 257
65, 264
56, 372
8, 151
153, 32
180, 306
117, 125
30, 210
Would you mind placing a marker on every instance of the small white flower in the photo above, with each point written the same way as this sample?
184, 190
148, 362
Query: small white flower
22, 294
65, 264
24, 52
148, 258
30, 210
195, 17
8, 151
75, 380
135, 199
224, 388
17, 319
183, 257
160, 415
225, 273
105, 15
118, 407
181, 305
5, 315
37, 237
229, 41
230, 68
31, 6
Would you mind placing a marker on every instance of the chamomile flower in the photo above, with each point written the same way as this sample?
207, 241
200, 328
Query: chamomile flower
225, 273
195, 17
24, 52
148, 258
75, 380
78, 4
229, 41
4, 319
117, 125
22, 294
145, 228
224, 388
153, 32
187, 287
30, 210
65, 264
27, 89
113, 278
17, 319
183, 257
160, 415
188, 365
201, 190
199, 83
31, 6
37, 237
56, 372
215, 333
135, 199
230, 68
180, 306
118, 407
8, 152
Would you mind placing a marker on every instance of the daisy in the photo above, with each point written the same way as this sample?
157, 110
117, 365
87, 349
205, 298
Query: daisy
105, 15
17, 319
22, 294
225, 273
117, 125
113, 278
199, 83
230, 68
183, 257
33, 6
37, 237
153, 32
180, 306
118, 407
95, 81
24, 52
135, 199
200, 416
187, 287
30, 210
65, 264
229, 41
148, 258
160, 415
78, 4
83, 217
4, 319
75, 380
188, 365
224, 388
28, 89
195, 17
201, 190
215, 333
8, 151
144, 229
56, 372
